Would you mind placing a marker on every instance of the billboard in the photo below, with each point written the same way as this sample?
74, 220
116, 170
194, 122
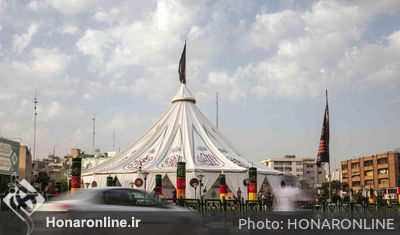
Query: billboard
9, 156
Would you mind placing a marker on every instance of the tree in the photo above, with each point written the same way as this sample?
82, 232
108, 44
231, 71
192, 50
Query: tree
43, 179
336, 186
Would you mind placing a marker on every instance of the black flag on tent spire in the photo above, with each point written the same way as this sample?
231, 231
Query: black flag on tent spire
323, 150
182, 66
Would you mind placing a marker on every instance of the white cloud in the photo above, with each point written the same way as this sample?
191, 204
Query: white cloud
23, 40
69, 29
71, 6
272, 28
46, 72
94, 89
53, 109
37, 5
374, 63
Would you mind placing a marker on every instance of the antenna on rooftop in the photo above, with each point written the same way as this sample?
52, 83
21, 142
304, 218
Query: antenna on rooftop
35, 101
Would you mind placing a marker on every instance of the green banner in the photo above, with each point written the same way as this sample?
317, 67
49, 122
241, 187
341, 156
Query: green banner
253, 175
181, 170
76, 166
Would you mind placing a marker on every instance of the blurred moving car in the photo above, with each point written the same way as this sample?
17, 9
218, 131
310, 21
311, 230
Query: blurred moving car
109, 199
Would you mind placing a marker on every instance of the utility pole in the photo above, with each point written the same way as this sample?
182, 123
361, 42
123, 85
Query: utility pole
35, 101
217, 110
94, 133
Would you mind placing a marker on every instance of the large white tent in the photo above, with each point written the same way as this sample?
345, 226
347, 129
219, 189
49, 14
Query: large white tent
182, 133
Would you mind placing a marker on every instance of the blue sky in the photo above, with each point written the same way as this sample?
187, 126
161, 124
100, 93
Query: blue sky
270, 61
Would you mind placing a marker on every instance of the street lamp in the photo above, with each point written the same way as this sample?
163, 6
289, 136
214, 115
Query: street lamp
195, 187
87, 184
132, 183
145, 174
200, 177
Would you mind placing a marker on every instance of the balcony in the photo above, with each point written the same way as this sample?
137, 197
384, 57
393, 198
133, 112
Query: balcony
383, 185
355, 169
368, 168
345, 180
355, 178
383, 176
344, 171
368, 177
380, 166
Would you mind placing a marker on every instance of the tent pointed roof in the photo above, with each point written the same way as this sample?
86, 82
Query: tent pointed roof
183, 133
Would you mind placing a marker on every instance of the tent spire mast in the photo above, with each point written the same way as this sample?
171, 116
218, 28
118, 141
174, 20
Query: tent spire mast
217, 110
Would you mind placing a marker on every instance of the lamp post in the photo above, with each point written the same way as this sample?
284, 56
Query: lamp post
200, 177
145, 174
195, 188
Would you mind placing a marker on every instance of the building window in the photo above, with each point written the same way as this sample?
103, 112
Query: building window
344, 167
369, 182
356, 183
355, 165
383, 181
382, 171
368, 163
320, 172
383, 161
369, 173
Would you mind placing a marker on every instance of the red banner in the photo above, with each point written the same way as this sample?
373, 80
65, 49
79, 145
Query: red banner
222, 189
180, 183
75, 182
252, 188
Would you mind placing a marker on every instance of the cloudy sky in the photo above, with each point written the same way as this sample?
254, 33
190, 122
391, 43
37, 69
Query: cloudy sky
270, 61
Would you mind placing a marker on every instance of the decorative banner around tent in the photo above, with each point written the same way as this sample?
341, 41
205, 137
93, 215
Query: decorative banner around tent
222, 187
180, 180
252, 183
138, 182
159, 185
76, 174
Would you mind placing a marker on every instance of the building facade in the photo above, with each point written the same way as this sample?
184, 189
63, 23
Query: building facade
25, 164
379, 171
304, 168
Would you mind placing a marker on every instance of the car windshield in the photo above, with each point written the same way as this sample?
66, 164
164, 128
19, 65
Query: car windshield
130, 197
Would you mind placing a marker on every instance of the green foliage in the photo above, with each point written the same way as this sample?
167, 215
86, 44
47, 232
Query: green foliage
64, 185
43, 179
336, 198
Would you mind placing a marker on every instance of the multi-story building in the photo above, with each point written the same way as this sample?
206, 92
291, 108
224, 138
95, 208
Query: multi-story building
379, 171
304, 168
25, 164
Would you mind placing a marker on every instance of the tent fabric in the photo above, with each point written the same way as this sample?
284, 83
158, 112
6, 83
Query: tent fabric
183, 133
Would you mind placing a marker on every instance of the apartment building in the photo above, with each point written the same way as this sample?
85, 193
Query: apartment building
304, 168
379, 171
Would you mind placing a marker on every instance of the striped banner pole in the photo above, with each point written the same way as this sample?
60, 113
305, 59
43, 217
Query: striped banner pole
252, 184
110, 181
222, 187
180, 180
159, 185
76, 174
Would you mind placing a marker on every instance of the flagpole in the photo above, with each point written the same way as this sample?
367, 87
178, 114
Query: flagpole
329, 161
